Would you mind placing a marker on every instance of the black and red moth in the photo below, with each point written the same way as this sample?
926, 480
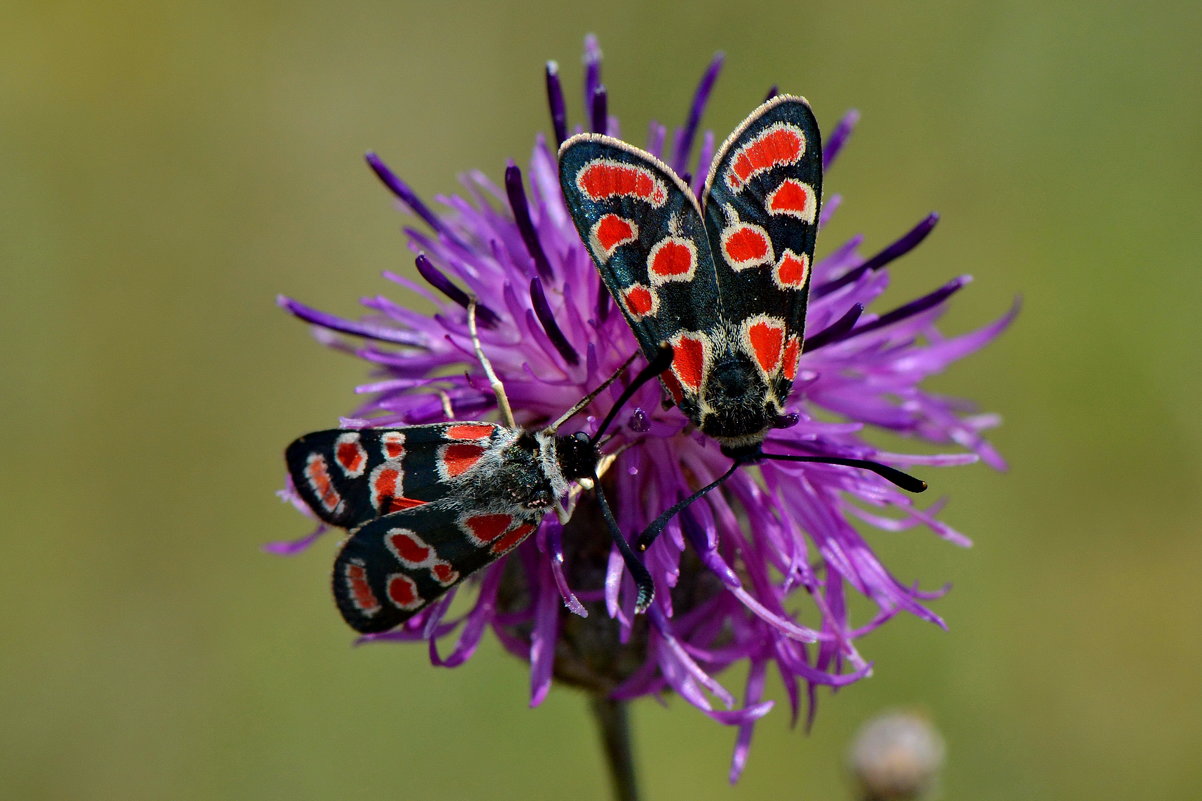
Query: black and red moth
428, 505
724, 280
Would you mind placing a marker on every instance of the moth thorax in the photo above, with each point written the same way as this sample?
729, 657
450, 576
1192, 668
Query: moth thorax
735, 410
518, 476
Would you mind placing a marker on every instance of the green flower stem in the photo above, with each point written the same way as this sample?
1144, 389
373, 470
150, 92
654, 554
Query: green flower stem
614, 724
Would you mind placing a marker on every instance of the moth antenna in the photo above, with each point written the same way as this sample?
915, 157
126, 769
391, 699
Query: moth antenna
643, 583
589, 398
890, 474
656, 528
495, 383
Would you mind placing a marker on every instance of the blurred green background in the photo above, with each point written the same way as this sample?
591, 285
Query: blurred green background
168, 168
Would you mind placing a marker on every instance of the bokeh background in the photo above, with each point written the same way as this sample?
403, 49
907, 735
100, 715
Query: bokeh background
168, 168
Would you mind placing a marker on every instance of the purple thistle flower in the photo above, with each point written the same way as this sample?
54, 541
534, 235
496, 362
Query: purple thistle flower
738, 571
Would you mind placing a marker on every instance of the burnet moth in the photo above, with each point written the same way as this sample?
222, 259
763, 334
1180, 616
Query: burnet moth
723, 280
428, 505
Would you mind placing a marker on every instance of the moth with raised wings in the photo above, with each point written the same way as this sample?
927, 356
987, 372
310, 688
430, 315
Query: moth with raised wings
723, 280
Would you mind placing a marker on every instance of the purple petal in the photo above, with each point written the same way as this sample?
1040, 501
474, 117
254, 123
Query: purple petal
684, 140
838, 138
359, 329
292, 547
521, 215
559, 115
907, 242
409, 197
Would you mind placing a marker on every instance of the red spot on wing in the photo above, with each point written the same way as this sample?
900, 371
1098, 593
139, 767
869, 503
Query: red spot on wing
793, 198
688, 361
359, 590
486, 528
444, 573
777, 145
612, 231
746, 245
766, 341
671, 258
392, 444
349, 454
317, 473
604, 178
792, 355
792, 270
639, 301
408, 547
673, 384
458, 459
385, 486
512, 539
470, 431
402, 591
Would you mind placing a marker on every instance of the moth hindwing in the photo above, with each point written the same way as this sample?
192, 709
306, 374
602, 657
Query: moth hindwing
428, 505
723, 281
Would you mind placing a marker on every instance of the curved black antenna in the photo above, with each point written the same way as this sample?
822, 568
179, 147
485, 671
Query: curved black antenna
589, 398
653, 368
638, 571
890, 474
656, 528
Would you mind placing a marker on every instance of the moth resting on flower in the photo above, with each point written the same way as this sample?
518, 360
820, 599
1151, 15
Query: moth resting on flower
758, 573
722, 282
428, 505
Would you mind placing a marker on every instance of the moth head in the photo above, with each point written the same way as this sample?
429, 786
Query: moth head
576, 456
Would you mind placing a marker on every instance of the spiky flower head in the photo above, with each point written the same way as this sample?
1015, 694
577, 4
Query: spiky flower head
759, 571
